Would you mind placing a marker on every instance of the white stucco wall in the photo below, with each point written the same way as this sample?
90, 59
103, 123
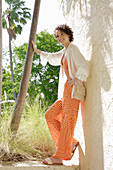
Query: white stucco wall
92, 23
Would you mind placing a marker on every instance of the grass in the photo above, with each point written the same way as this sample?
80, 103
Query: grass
33, 138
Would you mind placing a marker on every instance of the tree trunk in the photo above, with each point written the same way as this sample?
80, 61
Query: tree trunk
26, 73
11, 66
0, 55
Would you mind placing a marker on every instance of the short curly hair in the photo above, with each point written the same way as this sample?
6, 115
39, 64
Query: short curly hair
66, 29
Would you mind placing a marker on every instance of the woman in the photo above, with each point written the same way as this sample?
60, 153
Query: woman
61, 117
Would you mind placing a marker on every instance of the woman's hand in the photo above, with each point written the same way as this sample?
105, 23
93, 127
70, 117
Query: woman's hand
73, 81
35, 48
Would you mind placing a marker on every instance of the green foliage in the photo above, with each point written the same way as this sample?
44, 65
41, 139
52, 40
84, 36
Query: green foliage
43, 80
13, 18
6, 84
15, 15
33, 137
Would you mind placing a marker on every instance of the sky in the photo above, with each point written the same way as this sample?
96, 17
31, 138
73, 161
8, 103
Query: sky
50, 16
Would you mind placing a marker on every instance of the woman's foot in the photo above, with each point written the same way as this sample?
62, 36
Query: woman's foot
52, 161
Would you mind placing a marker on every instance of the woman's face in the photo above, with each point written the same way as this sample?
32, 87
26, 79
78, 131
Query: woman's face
62, 37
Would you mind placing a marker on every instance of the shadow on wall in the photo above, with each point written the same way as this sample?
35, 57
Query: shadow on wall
99, 79
100, 22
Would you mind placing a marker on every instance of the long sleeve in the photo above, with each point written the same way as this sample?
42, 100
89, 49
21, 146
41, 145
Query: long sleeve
53, 58
81, 64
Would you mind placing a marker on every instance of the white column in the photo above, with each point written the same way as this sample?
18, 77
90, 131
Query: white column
92, 23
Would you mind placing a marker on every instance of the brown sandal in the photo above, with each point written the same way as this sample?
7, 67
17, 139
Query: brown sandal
73, 151
48, 161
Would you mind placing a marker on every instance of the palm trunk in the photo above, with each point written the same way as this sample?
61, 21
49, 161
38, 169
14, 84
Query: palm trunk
11, 66
0, 55
17, 113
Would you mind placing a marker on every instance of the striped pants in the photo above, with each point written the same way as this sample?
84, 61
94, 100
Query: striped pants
61, 118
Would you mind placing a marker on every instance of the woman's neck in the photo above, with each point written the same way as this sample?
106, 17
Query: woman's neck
67, 44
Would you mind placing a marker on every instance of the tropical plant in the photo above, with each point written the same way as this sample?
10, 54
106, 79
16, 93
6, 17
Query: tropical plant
44, 79
17, 113
13, 18
33, 138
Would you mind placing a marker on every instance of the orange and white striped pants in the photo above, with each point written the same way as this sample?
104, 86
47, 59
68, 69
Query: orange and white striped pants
61, 118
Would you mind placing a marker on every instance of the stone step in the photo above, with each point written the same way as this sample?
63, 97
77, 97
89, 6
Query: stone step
35, 165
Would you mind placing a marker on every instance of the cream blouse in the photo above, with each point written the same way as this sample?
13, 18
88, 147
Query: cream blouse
77, 65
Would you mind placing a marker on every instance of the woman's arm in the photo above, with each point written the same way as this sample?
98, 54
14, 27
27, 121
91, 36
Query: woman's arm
78, 60
52, 58
35, 48
74, 81
81, 64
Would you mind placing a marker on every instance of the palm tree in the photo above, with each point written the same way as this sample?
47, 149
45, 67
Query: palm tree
0, 54
13, 18
26, 73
